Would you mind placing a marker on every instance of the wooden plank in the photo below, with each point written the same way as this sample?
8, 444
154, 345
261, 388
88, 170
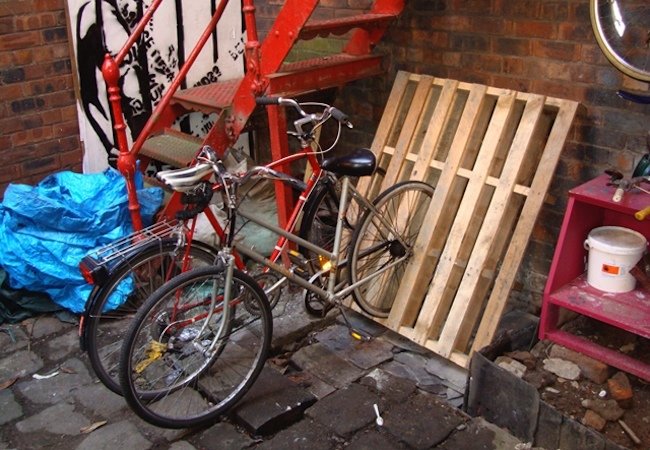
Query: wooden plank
434, 308
437, 123
412, 287
409, 126
493, 220
386, 123
541, 182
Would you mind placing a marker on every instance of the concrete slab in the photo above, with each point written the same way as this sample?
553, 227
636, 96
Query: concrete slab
58, 419
347, 410
273, 403
39, 327
391, 388
182, 445
422, 422
222, 436
12, 338
52, 390
64, 346
373, 439
120, 435
10, 409
19, 365
326, 365
98, 399
305, 435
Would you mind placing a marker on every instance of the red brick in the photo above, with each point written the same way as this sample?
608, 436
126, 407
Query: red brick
530, 28
565, 51
16, 41
40, 166
31, 136
11, 92
66, 129
596, 371
9, 174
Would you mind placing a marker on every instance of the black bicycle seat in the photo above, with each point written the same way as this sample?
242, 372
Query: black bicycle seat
635, 96
358, 163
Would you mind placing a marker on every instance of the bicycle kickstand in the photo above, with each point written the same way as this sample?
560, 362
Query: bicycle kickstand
355, 332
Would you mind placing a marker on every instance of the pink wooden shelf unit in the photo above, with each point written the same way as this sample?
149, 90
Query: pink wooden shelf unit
590, 206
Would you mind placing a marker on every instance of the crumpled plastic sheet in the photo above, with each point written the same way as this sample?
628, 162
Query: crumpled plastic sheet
45, 230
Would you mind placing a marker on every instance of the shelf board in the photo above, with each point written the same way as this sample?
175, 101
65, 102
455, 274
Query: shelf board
629, 311
611, 357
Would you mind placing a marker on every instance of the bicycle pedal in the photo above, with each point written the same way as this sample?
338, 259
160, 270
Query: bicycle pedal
298, 260
359, 335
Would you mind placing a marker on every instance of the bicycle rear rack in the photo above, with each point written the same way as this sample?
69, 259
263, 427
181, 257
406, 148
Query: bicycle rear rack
97, 265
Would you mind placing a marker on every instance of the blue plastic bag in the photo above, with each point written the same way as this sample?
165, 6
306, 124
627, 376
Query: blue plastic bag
45, 230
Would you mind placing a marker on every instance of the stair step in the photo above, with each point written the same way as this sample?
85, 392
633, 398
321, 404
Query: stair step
322, 73
172, 147
342, 25
208, 98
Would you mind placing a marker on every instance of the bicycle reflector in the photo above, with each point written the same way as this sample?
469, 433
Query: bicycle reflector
93, 272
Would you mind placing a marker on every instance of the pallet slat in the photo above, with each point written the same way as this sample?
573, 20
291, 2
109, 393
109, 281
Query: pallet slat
489, 153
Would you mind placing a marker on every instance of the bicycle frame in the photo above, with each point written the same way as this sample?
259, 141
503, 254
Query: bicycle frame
334, 293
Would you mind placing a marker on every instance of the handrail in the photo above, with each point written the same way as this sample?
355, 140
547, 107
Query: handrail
126, 160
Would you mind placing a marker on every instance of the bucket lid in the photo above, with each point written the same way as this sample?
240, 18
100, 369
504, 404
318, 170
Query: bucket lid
618, 240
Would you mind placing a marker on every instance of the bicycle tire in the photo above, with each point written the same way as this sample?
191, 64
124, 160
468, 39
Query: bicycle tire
104, 330
373, 245
181, 367
623, 35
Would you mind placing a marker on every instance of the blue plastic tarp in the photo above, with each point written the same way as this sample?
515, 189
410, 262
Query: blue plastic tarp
45, 230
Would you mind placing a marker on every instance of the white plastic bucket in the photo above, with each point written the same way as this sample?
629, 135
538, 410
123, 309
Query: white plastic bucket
613, 252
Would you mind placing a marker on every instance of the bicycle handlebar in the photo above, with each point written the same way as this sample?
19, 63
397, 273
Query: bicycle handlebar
336, 113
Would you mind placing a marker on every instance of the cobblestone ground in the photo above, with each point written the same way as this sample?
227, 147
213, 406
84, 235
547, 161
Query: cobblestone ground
318, 391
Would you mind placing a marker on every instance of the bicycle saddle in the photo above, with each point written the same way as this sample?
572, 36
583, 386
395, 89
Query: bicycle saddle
184, 180
358, 163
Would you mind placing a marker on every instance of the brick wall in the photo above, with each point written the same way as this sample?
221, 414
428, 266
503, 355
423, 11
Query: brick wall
540, 46
38, 119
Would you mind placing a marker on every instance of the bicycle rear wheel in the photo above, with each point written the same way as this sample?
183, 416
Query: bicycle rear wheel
116, 302
186, 359
384, 236
622, 30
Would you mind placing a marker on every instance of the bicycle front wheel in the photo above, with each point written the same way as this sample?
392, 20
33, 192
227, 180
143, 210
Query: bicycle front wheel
128, 287
383, 242
622, 30
188, 356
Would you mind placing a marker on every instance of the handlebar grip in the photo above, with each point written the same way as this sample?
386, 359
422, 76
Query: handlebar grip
340, 116
642, 214
618, 194
267, 100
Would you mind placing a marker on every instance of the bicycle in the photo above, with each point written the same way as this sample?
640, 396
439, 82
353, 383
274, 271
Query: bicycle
125, 273
622, 30
199, 342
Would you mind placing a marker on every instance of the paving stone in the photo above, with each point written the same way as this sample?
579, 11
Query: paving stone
346, 410
305, 435
10, 409
182, 445
58, 419
374, 440
12, 338
363, 354
403, 344
576, 435
52, 390
19, 365
63, 346
549, 423
274, 402
43, 326
222, 436
479, 434
313, 384
121, 435
392, 388
411, 368
99, 399
452, 375
326, 365
363, 323
422, 421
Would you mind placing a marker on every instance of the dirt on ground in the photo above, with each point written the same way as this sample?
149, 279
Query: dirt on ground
590, 402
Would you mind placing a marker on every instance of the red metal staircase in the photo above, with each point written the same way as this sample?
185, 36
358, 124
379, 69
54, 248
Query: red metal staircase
266, 72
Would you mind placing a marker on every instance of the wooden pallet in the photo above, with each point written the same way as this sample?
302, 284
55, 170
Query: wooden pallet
490, 153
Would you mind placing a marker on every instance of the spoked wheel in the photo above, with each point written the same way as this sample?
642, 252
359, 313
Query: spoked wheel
188, 357
116, 302
385, 237
622, 30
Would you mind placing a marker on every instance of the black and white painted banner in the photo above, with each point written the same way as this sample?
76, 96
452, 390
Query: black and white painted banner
98, 26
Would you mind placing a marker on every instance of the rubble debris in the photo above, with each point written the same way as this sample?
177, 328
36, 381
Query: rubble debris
607, 409
562, 368
594, 420
621, 390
